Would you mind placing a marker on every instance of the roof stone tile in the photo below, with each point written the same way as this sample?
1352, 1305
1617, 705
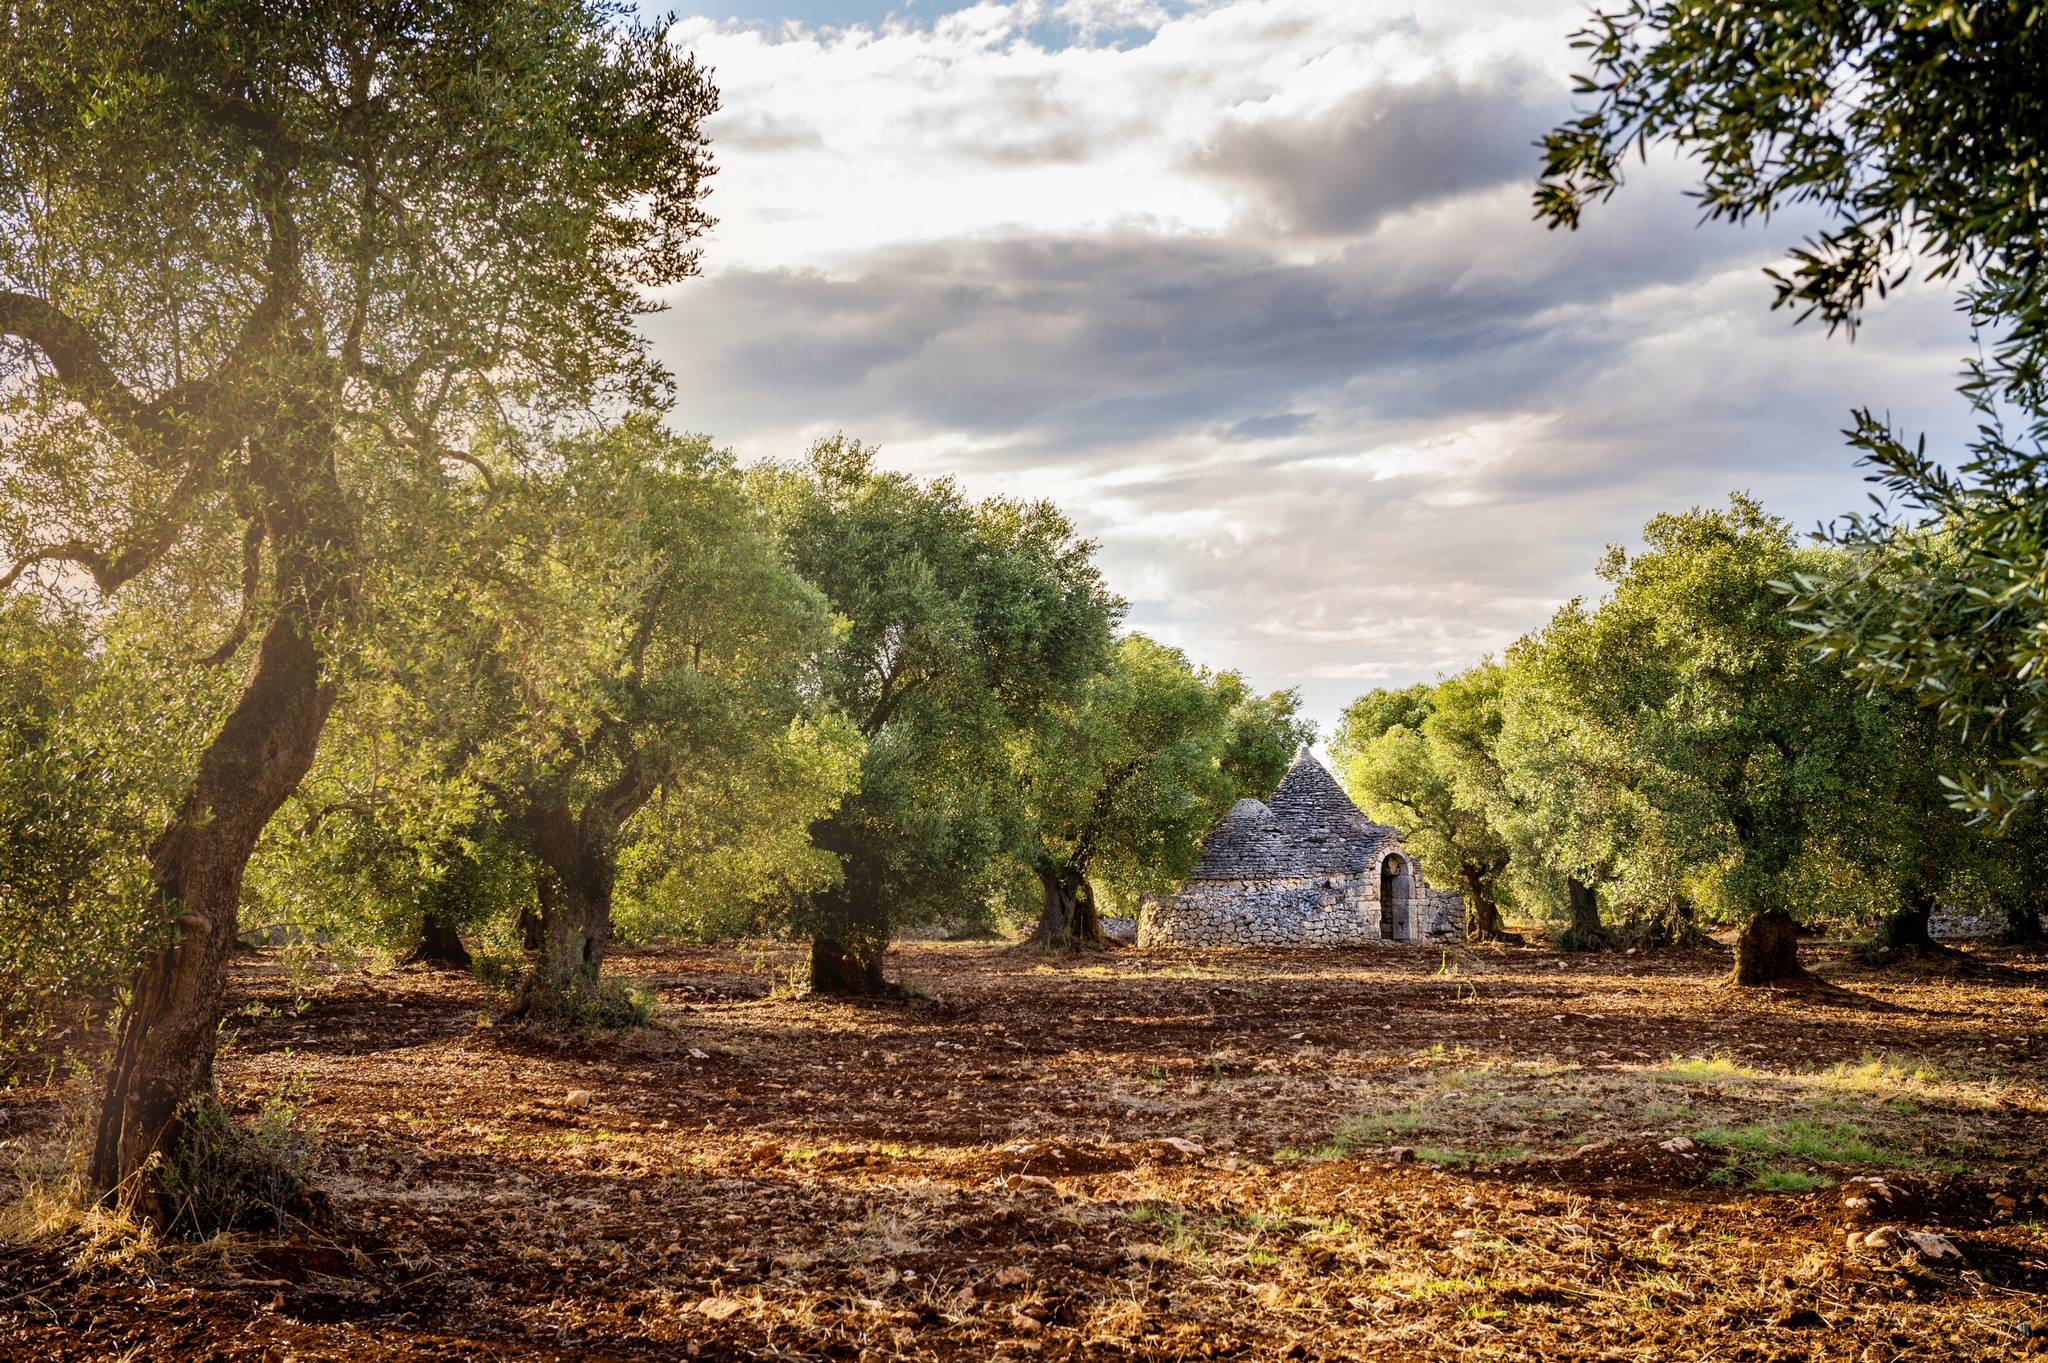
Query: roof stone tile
1308, 827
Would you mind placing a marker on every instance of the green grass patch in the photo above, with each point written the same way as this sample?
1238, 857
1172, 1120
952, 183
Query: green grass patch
1789, 1181
1384, 1128
1807, 1139
1449, 1156
1702, 1069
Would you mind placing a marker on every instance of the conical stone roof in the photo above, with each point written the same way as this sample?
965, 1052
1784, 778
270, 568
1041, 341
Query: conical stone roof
1308, 827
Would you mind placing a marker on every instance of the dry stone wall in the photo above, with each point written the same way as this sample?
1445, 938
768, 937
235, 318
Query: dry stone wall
1276, 911
1291, 911
1439, 916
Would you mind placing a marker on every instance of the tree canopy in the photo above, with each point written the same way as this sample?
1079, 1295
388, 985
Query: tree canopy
1120, 783
1918, 132
254, 259
965, 619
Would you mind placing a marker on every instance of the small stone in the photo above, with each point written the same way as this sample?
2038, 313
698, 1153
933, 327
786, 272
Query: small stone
1933, 1247
1677, 1145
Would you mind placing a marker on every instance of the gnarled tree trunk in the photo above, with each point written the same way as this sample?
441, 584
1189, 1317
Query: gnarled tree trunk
1585, 932
850, 932
533, 915
576, 919
848, 945
1904, 930
253, 764
1767, 951
1483, 922
439, 944
1068, 919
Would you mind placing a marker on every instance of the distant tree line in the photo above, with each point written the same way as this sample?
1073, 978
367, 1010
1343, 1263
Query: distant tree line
1679, 755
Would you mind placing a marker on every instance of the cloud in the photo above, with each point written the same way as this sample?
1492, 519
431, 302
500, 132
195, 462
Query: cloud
1386, 148
1252, 288
1084, 341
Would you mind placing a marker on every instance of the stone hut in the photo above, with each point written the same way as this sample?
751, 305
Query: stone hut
1304, 868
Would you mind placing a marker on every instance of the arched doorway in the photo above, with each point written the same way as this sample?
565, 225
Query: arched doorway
1395, 883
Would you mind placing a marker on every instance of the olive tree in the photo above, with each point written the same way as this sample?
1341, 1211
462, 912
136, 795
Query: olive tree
964, 621
248, 249
1122, 781
1918, 129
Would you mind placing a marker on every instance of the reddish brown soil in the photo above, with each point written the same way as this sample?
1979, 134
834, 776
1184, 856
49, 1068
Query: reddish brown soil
985, 1174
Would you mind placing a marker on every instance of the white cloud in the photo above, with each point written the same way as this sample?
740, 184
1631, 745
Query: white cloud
1258, 298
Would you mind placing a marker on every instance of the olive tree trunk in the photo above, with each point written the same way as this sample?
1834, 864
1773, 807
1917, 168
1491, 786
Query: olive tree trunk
440, 944
575, 920
1483, 922
1585, 931
1767, 951
1068, 919
849, 939
2023, 923
1905, 930
251, 766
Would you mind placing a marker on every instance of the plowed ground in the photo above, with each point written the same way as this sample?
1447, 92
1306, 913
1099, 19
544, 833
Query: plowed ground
1387, 1153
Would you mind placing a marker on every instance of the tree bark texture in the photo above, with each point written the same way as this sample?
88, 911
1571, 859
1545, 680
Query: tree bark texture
1767, 951
1068, 919
1584, 932
576, 918
253, 764
440, 944
1483, 923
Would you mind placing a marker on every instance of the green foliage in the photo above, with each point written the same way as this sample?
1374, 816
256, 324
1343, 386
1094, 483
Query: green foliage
1681, 737
1677, 747
605, 1004
92, 724
963, 621
725, 850
1423, 759
1917, 126
1918, 129
1120, 783
219, 1175
272, 276
1943, 597
604, 671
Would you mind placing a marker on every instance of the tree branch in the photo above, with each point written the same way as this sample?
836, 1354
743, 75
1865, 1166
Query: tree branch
252, 567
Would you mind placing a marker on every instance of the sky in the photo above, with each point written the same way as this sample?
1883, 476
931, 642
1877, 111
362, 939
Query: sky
1252, 289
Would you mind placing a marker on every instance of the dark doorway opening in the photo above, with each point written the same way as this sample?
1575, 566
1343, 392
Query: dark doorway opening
1390, 896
